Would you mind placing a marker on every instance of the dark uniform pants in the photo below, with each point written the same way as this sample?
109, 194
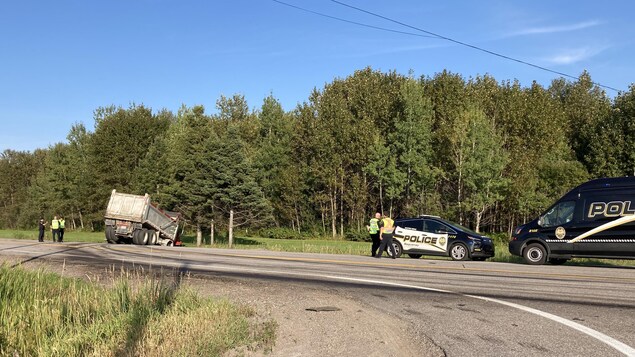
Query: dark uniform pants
376, 243
56, 233
40, 236
61, 234
386, 242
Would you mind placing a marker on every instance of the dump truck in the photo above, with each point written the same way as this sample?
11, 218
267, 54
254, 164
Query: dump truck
134, 219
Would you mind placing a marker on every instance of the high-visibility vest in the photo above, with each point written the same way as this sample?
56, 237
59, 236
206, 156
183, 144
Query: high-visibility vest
62, 223
55, 224
388, 225
374, 226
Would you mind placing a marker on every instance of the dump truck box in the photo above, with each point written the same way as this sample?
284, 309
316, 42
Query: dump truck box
134, 217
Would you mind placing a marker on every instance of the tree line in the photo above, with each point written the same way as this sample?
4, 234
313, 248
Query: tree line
484, 153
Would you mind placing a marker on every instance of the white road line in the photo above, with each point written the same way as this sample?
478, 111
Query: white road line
620, 346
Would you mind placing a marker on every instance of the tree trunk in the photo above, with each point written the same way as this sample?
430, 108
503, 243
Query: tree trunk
477, 226
199, 235
230, 234
333, 215
342, 204
381, 197
323, 220
211, 233
81, 220
297, 215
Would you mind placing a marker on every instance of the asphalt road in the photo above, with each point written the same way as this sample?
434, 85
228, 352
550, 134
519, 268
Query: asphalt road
466, 308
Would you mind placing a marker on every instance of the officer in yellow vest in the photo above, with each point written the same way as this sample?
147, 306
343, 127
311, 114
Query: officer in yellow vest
373, 230
386, 231
62, 227
55, 228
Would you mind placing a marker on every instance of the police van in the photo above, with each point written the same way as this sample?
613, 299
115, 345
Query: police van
594, 220
431, 235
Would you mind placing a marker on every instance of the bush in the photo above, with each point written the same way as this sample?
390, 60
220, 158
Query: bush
357, 236
279, 233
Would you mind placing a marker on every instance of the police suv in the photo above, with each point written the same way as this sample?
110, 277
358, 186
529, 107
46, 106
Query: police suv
431, 235
594, 220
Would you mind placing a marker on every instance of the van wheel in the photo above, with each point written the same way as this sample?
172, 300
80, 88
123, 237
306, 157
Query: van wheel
535, 254
415, 256
459, 252
398, 248
557, 261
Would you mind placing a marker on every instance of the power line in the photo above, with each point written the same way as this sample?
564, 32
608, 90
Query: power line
352, 22
467, 44
435, 35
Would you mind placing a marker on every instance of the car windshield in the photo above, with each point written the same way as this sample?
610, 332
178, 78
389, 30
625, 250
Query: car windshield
460, 227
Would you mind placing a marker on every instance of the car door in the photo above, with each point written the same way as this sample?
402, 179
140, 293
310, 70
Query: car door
438, 236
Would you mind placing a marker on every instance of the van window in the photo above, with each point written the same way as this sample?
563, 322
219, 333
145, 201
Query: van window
558, 215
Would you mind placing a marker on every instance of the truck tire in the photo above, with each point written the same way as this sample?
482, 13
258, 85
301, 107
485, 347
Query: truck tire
140, 236
153, 236
535, 254
135, 236
111, 238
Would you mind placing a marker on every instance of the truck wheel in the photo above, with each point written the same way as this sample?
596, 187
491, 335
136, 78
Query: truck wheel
140, 237
111, 238
459, 252
145, 237
535, 254
135, 236
153, 237
414, 256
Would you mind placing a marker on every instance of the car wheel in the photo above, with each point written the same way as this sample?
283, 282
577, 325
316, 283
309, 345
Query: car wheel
459, 252
535, 254
415, 256
557, 261
398, 248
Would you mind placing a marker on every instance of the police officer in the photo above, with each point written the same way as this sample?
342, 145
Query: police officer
386, 231
62, 226
55, 228
42, 227
373, 230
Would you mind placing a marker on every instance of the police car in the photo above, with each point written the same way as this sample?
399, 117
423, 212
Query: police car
431, 235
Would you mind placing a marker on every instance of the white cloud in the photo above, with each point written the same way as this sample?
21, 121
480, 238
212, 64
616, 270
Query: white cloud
574, 55
554, 29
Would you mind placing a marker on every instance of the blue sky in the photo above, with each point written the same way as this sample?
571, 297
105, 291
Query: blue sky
60, 60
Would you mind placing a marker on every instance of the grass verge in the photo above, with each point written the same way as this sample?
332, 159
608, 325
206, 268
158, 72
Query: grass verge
327, 246
43, 314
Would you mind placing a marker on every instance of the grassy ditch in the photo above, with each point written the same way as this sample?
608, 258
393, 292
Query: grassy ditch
44, 314
327, 246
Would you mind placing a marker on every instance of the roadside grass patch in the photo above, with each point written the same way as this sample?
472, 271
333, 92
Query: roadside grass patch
44, 314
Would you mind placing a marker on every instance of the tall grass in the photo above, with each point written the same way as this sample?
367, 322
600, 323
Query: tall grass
43, 314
